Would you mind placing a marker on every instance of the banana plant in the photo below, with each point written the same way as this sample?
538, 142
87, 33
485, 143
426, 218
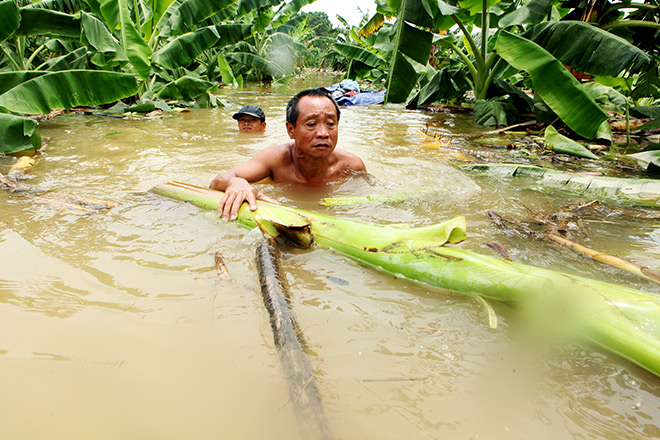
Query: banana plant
616, 190
617, 318
272, 48
469, 33
140, 48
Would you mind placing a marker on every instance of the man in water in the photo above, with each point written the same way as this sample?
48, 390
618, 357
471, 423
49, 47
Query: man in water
312, 120
251, 119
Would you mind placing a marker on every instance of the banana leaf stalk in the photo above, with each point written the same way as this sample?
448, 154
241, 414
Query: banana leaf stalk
614, 189
612, 260
619, 319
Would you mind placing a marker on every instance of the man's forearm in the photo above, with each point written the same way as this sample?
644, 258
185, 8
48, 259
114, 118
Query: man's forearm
223, 180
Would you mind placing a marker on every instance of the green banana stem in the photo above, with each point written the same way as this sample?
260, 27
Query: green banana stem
619, 319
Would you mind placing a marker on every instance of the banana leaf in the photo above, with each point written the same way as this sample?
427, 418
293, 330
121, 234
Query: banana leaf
233, 33
287, 10
9, 19
588, 48
68, 6
96, 36
185, 87
554, 84
182, 50
71, 61
563, 145
409, 43
359, 54
9, 80
619, 319
650, 160
50, 23
68, 89
184, 16
18, 134
260, 63
532, 12
612, 189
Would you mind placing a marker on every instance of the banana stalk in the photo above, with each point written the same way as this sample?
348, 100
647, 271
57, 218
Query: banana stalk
614, 189
619, 319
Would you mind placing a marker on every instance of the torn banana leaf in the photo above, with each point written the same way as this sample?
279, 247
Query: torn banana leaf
612, 189
563, 145
620, 319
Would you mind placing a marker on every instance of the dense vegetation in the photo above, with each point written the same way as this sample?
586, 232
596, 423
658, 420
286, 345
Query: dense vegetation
508, 59
497, 51
59, 54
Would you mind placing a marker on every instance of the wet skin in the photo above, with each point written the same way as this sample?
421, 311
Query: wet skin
250, 124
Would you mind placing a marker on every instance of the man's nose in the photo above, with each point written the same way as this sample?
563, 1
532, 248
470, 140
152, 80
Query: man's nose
322, 131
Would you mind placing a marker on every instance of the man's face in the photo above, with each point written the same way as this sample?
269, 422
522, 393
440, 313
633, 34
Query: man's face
250, 124
316, 128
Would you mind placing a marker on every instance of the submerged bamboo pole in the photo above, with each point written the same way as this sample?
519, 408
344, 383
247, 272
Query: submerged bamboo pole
612, 260
635, 269
303, 390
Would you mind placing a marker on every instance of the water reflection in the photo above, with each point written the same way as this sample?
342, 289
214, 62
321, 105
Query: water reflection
126, 300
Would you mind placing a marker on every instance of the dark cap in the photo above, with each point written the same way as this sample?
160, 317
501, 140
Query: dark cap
250, 110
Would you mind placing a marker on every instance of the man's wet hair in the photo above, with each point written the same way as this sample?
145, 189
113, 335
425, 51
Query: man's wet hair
292, 111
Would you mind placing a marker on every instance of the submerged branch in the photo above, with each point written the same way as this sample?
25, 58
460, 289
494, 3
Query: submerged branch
303, 390
606, 258
221, 267
603, 257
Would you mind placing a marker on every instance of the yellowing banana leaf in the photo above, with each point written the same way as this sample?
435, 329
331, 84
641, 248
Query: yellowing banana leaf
68, 89
611, 189
619, 319
553, 83
563, 145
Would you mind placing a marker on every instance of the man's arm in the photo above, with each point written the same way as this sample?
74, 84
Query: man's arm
236, 183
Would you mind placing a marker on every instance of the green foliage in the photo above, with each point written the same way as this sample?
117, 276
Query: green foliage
171, 48
466, 38
554, 84
9, 19
18, 134
599, 52
561, 144
68, 89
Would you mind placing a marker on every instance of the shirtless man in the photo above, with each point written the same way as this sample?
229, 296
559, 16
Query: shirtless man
312, 119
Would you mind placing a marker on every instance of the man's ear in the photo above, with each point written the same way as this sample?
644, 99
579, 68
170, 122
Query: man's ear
263, 125
289, 129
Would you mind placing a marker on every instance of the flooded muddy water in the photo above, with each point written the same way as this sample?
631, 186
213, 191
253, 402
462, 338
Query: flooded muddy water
114, 325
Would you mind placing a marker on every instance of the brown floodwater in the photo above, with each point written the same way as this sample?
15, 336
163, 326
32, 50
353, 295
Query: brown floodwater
114, 326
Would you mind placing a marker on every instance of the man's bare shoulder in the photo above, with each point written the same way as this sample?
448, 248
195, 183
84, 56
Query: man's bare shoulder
349, 161
277, 153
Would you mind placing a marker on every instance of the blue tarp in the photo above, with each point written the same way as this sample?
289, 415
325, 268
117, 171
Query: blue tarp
363, 98
348, 92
